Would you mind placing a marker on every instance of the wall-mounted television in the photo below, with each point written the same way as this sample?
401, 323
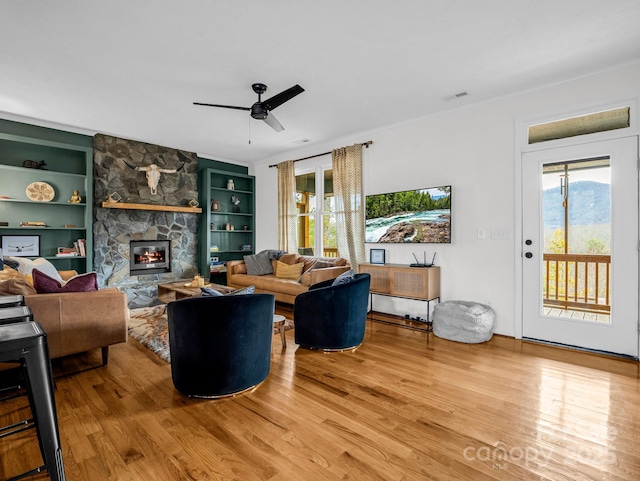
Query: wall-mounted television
409, 216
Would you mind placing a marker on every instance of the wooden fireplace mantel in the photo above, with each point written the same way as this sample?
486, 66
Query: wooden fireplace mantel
170, 208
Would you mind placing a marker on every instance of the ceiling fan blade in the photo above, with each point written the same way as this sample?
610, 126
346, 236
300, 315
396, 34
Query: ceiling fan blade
282, 97
223, 106
272, 122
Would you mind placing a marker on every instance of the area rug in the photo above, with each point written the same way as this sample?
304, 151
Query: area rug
148, 326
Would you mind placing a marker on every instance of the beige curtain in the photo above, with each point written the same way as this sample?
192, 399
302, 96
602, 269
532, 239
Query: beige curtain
287, 207
347, 187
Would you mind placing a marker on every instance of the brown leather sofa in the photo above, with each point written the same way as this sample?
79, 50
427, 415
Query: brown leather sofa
314, 270
74, 321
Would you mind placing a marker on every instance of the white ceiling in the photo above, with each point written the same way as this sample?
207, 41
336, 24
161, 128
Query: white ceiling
133, 68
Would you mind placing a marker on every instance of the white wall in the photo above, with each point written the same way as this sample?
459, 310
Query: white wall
473, 149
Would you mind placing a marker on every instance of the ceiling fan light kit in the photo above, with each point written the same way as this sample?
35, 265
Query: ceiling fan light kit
261, 109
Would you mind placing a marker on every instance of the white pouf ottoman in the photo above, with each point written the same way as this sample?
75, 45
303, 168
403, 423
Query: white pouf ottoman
463, 321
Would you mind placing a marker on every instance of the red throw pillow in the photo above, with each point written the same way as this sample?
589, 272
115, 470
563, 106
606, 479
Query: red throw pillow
45, 284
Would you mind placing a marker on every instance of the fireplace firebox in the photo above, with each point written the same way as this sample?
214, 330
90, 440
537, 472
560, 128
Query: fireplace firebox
149, 257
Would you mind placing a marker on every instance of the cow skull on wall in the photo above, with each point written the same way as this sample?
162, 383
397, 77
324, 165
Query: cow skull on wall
153, 174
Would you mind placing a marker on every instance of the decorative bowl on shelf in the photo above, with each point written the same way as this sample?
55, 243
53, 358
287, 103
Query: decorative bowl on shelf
40, 192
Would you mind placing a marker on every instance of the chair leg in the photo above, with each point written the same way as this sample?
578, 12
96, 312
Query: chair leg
42, 401
282, 336
105, 355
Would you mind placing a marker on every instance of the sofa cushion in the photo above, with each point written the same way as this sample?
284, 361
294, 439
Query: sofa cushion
269, 283
289, 259
309, 261
286, 271
26, 266
45, 284
305, 278
13, 283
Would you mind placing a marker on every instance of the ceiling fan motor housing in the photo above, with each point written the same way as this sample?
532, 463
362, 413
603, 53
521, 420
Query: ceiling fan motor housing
258, 111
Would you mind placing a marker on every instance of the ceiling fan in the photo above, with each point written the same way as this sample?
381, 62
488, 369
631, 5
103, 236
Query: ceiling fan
261, 110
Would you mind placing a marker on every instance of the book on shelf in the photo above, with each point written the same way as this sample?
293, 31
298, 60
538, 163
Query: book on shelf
217, 267
81, 246
66, 252
32, 223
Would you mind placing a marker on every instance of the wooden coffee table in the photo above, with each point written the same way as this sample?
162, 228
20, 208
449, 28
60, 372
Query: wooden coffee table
173, 291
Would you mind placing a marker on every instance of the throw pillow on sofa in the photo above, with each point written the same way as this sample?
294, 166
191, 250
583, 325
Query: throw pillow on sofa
258, 264
344, 278
45, 284
286, 271
26, 266
12, 283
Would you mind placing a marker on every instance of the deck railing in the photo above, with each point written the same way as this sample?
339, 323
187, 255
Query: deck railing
577, 281
326, 252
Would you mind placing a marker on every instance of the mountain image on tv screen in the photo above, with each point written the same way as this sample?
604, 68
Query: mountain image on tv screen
410, 216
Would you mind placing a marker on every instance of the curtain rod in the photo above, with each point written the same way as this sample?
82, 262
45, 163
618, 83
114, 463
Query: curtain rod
365, 144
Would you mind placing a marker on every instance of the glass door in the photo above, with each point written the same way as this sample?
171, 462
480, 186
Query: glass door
580, 252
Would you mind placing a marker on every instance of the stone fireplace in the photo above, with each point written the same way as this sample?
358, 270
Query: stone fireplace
115, 228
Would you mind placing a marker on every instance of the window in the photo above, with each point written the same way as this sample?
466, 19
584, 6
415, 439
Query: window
315, 204
583, 125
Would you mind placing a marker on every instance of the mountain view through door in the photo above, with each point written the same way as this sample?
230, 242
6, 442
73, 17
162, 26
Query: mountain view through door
577, 239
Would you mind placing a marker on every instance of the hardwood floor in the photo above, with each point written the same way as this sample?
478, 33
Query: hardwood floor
404, 406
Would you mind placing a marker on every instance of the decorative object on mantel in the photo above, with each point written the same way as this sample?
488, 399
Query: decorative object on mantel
235, 200
114, 197
153, 174
194, 203
75, 198
32, 164
230, 185
215, 205
40, 192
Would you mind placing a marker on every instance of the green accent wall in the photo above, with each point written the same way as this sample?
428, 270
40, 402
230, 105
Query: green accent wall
219, 165
45, 133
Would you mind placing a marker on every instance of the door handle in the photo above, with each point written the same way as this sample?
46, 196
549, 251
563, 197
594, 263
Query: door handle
528, 255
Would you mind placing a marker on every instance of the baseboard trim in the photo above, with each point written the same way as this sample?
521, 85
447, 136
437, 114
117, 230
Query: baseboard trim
581, 349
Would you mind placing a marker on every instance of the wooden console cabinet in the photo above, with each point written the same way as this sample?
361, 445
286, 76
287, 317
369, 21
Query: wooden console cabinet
398, 280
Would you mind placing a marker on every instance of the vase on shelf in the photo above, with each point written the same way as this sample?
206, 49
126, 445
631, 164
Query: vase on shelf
230, 185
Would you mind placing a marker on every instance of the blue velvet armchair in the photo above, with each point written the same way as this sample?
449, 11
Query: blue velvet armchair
220, 346
332, 318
